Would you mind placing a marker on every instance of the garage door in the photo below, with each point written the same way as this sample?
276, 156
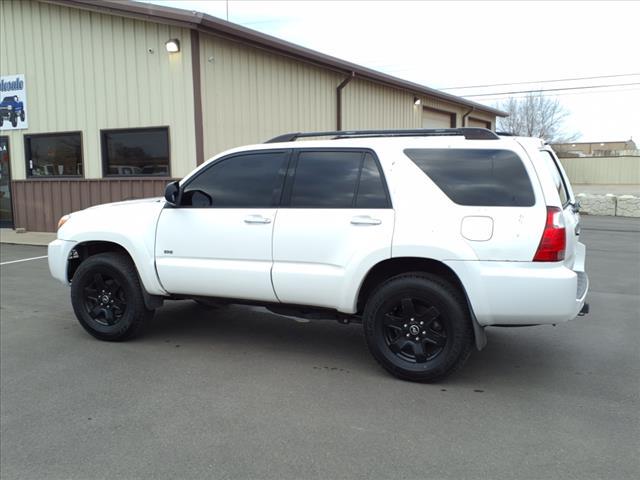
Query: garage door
475, 122
437, 119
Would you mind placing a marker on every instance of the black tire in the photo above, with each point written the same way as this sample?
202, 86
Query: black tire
1, 121
392, 324
107, 297
22, 116
14, 120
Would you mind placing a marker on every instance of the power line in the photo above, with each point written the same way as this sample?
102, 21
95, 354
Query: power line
551, 90
566, 94
544, 81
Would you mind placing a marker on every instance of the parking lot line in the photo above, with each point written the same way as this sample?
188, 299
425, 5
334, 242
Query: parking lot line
23, 260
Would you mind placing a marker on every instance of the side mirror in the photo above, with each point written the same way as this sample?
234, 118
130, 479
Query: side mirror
172, 193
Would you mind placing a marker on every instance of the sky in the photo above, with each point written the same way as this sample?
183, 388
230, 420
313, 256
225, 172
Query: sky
451, 44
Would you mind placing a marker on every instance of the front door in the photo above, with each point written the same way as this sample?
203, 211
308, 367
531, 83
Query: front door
6, 212
217, 242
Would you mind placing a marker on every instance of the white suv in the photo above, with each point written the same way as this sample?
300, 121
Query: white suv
424, 236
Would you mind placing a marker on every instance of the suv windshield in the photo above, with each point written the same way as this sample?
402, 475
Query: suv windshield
7, 99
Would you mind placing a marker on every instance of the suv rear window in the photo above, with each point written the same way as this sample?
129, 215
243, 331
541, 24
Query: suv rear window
476, 177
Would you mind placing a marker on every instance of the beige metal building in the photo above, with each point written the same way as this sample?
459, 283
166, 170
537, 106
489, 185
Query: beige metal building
112, 114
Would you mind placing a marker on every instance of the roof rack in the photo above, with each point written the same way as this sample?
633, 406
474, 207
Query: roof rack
506, 134
468, 133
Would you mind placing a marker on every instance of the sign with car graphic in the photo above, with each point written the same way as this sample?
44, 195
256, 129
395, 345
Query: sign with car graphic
13, 102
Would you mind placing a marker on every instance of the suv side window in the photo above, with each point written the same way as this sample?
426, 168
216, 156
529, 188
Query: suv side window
371, 190
241, 181
477, 177
550, 163
337, 179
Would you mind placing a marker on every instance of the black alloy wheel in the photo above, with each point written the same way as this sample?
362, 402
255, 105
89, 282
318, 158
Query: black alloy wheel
414, 330
104, 299
418, 327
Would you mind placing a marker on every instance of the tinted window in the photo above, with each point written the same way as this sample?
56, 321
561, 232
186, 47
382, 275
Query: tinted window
550, 164
326, 179
371, 191
477, 177
139, 151
251, 180
53, 154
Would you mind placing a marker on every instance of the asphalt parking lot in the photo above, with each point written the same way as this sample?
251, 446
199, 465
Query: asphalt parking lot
242, 393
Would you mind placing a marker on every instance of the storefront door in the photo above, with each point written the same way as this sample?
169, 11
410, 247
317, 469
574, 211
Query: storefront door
6, 214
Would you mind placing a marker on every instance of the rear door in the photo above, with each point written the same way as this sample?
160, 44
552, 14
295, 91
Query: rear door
569, 209
335, 219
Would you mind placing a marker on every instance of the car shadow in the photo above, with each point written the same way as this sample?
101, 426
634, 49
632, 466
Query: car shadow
256, 329
510, 354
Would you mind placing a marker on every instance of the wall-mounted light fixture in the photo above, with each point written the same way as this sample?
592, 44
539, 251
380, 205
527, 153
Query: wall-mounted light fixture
417, 101
173, 45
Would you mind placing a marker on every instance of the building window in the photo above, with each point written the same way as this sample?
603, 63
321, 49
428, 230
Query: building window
53, 154
135, 151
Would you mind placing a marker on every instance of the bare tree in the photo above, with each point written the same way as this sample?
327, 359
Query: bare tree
536, 116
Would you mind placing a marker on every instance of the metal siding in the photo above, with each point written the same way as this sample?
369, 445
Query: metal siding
602, 170
89, 71
250, 95
42, 202
367, 105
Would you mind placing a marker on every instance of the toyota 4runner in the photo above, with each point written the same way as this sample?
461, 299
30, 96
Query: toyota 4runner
423, 236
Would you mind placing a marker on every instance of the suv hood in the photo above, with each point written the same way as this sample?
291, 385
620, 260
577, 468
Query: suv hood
119, 218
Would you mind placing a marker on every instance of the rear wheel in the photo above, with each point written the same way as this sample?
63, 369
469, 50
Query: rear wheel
14, 120
107, 297
417, 327
22, 116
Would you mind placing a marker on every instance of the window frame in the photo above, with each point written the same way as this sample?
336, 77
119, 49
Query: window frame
278, 191
285, 201
28, 136
103, 151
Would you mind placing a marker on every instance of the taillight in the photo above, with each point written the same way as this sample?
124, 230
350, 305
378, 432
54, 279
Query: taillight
553, 242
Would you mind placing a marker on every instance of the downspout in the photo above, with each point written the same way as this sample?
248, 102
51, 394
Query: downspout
344, 83
464, 117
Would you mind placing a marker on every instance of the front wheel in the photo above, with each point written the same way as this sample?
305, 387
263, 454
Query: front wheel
14, 120
107, 297
417, 327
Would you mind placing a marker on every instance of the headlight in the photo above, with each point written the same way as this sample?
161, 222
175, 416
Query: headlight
63, 220
9, 107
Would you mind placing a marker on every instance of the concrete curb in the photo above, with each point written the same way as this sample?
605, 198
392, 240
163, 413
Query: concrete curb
40, 239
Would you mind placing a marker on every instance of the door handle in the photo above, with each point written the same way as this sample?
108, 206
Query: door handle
365, 220
256, 219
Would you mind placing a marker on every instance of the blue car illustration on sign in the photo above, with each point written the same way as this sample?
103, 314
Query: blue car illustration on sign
11, 108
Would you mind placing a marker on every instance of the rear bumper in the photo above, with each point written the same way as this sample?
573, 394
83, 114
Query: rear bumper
523, 293
58, 256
